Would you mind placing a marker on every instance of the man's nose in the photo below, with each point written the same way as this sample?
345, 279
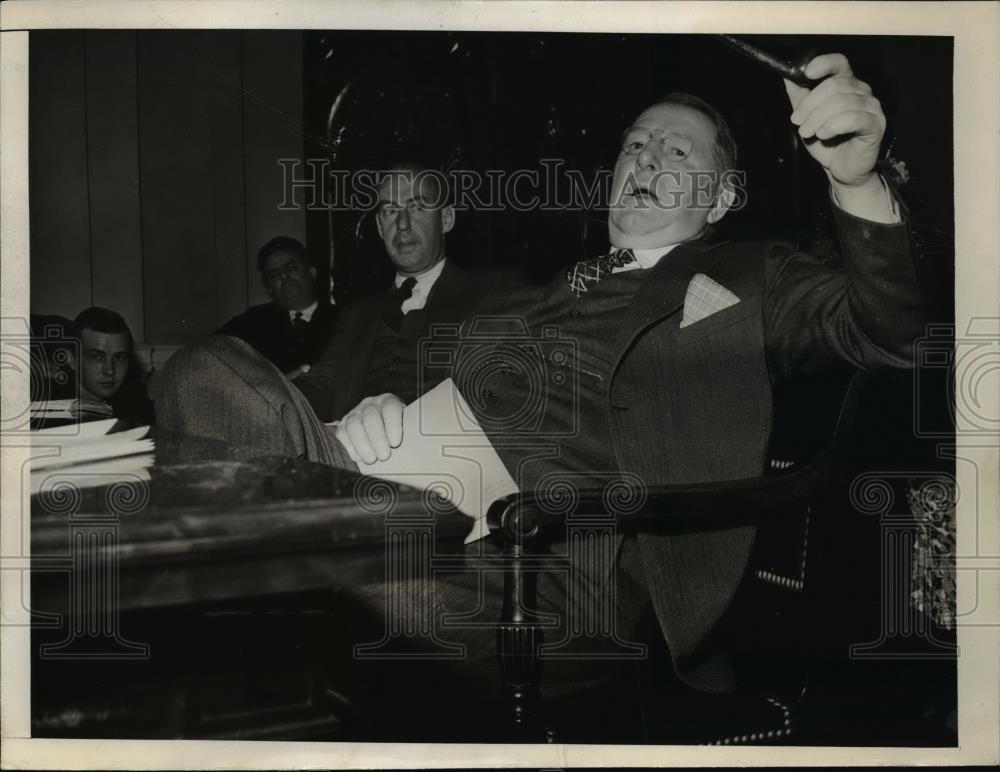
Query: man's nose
403, 219
108, 367
648, 158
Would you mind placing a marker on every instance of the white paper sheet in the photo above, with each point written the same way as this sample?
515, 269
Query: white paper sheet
90, 443
444, 448
68, 408
130, 469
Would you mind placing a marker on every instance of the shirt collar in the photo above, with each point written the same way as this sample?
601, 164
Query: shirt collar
647, 258
426, 279
307, 312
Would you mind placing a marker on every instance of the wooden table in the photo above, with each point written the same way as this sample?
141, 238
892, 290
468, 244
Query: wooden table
199, 603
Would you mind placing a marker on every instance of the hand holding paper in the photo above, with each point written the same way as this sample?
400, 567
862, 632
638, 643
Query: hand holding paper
372, 429
439, 445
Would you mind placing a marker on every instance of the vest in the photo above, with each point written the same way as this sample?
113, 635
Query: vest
539, 391
395, 359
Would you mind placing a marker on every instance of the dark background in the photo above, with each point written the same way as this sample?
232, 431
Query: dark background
154, 154
505, 100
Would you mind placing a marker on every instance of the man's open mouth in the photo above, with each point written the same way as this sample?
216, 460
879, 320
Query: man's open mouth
641, 194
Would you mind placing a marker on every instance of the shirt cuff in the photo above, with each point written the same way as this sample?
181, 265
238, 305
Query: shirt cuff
890, 200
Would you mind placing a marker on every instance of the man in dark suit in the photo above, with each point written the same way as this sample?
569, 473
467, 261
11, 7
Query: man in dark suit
375, 348
677, 344
293, 329
219, 389
676, 347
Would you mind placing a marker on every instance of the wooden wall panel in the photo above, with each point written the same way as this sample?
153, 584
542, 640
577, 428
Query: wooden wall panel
176, 165
58, 197
272, 80
113, 161
154, 174
225, 66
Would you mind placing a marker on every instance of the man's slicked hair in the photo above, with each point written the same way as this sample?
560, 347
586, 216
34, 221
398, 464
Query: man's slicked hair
724, 148
419, 167
103, 320
281, 244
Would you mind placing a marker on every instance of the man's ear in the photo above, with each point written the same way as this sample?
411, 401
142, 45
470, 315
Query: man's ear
723, 202
447, 219
312, 272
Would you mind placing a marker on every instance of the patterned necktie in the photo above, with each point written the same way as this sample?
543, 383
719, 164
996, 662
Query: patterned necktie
393, 311
582, 276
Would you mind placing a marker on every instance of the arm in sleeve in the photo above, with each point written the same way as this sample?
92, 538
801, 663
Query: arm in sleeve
239, 326
867, 311
320, 384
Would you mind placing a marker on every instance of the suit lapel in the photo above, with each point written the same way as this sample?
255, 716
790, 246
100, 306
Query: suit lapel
365, 325
283, 320
363, 328
446, 293
662, 292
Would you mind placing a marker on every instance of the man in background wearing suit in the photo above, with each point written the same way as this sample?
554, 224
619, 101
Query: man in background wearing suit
294, 327
376, 344
219, 389
678, 344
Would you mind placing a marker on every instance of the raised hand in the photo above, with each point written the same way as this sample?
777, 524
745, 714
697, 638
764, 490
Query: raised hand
839, 120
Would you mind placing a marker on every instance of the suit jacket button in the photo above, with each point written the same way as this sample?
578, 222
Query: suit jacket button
575, 312
486, 393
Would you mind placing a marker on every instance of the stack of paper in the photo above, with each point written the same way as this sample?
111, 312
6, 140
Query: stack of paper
85, 455
74, 409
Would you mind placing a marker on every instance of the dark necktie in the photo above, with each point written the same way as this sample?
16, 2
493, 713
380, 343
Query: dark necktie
393, 311
585, 274
299, 323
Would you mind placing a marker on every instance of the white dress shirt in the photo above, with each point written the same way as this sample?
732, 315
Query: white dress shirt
644, 258
425, 281
307, 312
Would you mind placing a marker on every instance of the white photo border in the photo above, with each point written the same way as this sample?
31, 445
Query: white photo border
977, 204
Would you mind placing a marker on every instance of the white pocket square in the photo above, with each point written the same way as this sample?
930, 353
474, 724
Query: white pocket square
704, 297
